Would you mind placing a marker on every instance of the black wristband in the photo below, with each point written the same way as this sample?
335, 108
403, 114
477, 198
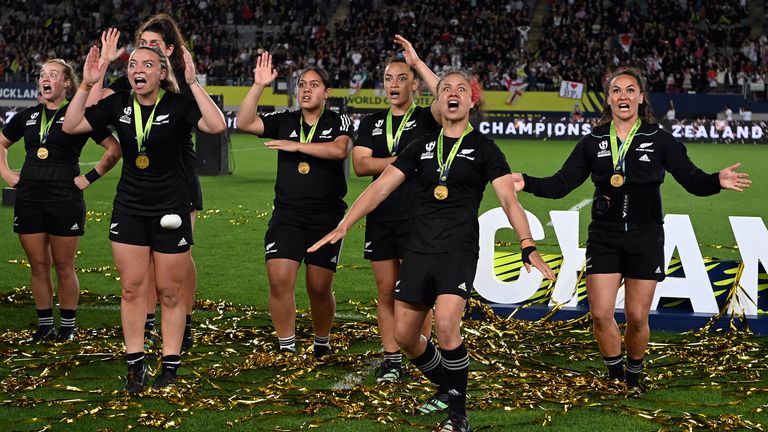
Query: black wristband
92, 176
527, 251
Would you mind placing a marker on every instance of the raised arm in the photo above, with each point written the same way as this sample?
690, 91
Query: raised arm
371, 197
212, 120
248, 119
696, 181
106, 163
109, 53
75, 122
426, 74
505, 191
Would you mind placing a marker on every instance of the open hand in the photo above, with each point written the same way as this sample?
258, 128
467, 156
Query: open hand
730, 179
332, 237
263, 73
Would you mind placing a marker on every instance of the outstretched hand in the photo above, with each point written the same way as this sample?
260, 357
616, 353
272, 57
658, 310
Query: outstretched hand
408, 51
730, 179
190, 75
540, 265
109, 51
332, 237
519, 181
263, 73
93, 67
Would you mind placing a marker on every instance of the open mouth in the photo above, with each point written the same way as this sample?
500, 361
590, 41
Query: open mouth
306, 98
453, 106
624, 106
394, 94
47, 89
140, 82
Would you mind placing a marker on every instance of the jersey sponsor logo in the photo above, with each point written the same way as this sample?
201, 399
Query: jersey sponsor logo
34, 115
268, 248
427, 155
125, 118
379, 123
162, 119
644, 147
127, 110
430, 146
377, 131
603, 145
61, 120
293, 134
466, 154
75, 227
603, 153
32, 119
326, 133
368, 247
182, 242
410, 125
645, 158
112, 228
30, 123
462, 286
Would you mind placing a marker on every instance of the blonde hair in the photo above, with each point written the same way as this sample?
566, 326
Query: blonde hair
69, 74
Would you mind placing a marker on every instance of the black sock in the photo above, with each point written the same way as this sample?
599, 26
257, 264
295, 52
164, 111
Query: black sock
45, 317
456, 365
394, 358
171, 363
188, 326
430, 363
67, 317
149, 325
615, 367
634, 370
135, 360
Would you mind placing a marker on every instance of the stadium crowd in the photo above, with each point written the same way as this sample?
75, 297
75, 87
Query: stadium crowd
708, 48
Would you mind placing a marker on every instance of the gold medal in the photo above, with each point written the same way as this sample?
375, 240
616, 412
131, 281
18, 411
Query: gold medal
441, 192
303, 168
142, 161
42, 153
617, 180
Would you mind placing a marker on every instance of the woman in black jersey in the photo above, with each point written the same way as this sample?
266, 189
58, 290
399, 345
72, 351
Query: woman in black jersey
150, 220
452, 167
381, 137
312, 144
162, 31
627, 155
49, 215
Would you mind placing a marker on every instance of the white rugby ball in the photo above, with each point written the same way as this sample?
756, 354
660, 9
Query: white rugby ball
170, 221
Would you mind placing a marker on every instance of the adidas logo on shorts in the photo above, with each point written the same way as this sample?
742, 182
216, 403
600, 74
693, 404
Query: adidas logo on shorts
334, 260
75, 227
658, 270
463, 286
182, 242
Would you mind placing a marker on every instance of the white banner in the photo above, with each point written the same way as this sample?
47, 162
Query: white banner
571, 89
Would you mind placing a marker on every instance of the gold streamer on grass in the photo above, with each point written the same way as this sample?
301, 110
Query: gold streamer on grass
517, 366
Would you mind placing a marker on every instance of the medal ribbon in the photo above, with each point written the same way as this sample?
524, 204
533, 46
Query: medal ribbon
308, 138
393, 142
618, 153
444, 168
142, 131
45, 124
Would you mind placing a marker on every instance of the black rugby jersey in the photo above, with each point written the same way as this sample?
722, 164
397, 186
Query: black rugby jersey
322, 190
161, 187
372, 134
189, 170
652, 153
50, 179
450, 224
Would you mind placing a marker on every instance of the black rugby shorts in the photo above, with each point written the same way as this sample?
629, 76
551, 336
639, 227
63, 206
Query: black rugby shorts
147, 231
291, 233
423, 277
637, 254
386, 240
59, 218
